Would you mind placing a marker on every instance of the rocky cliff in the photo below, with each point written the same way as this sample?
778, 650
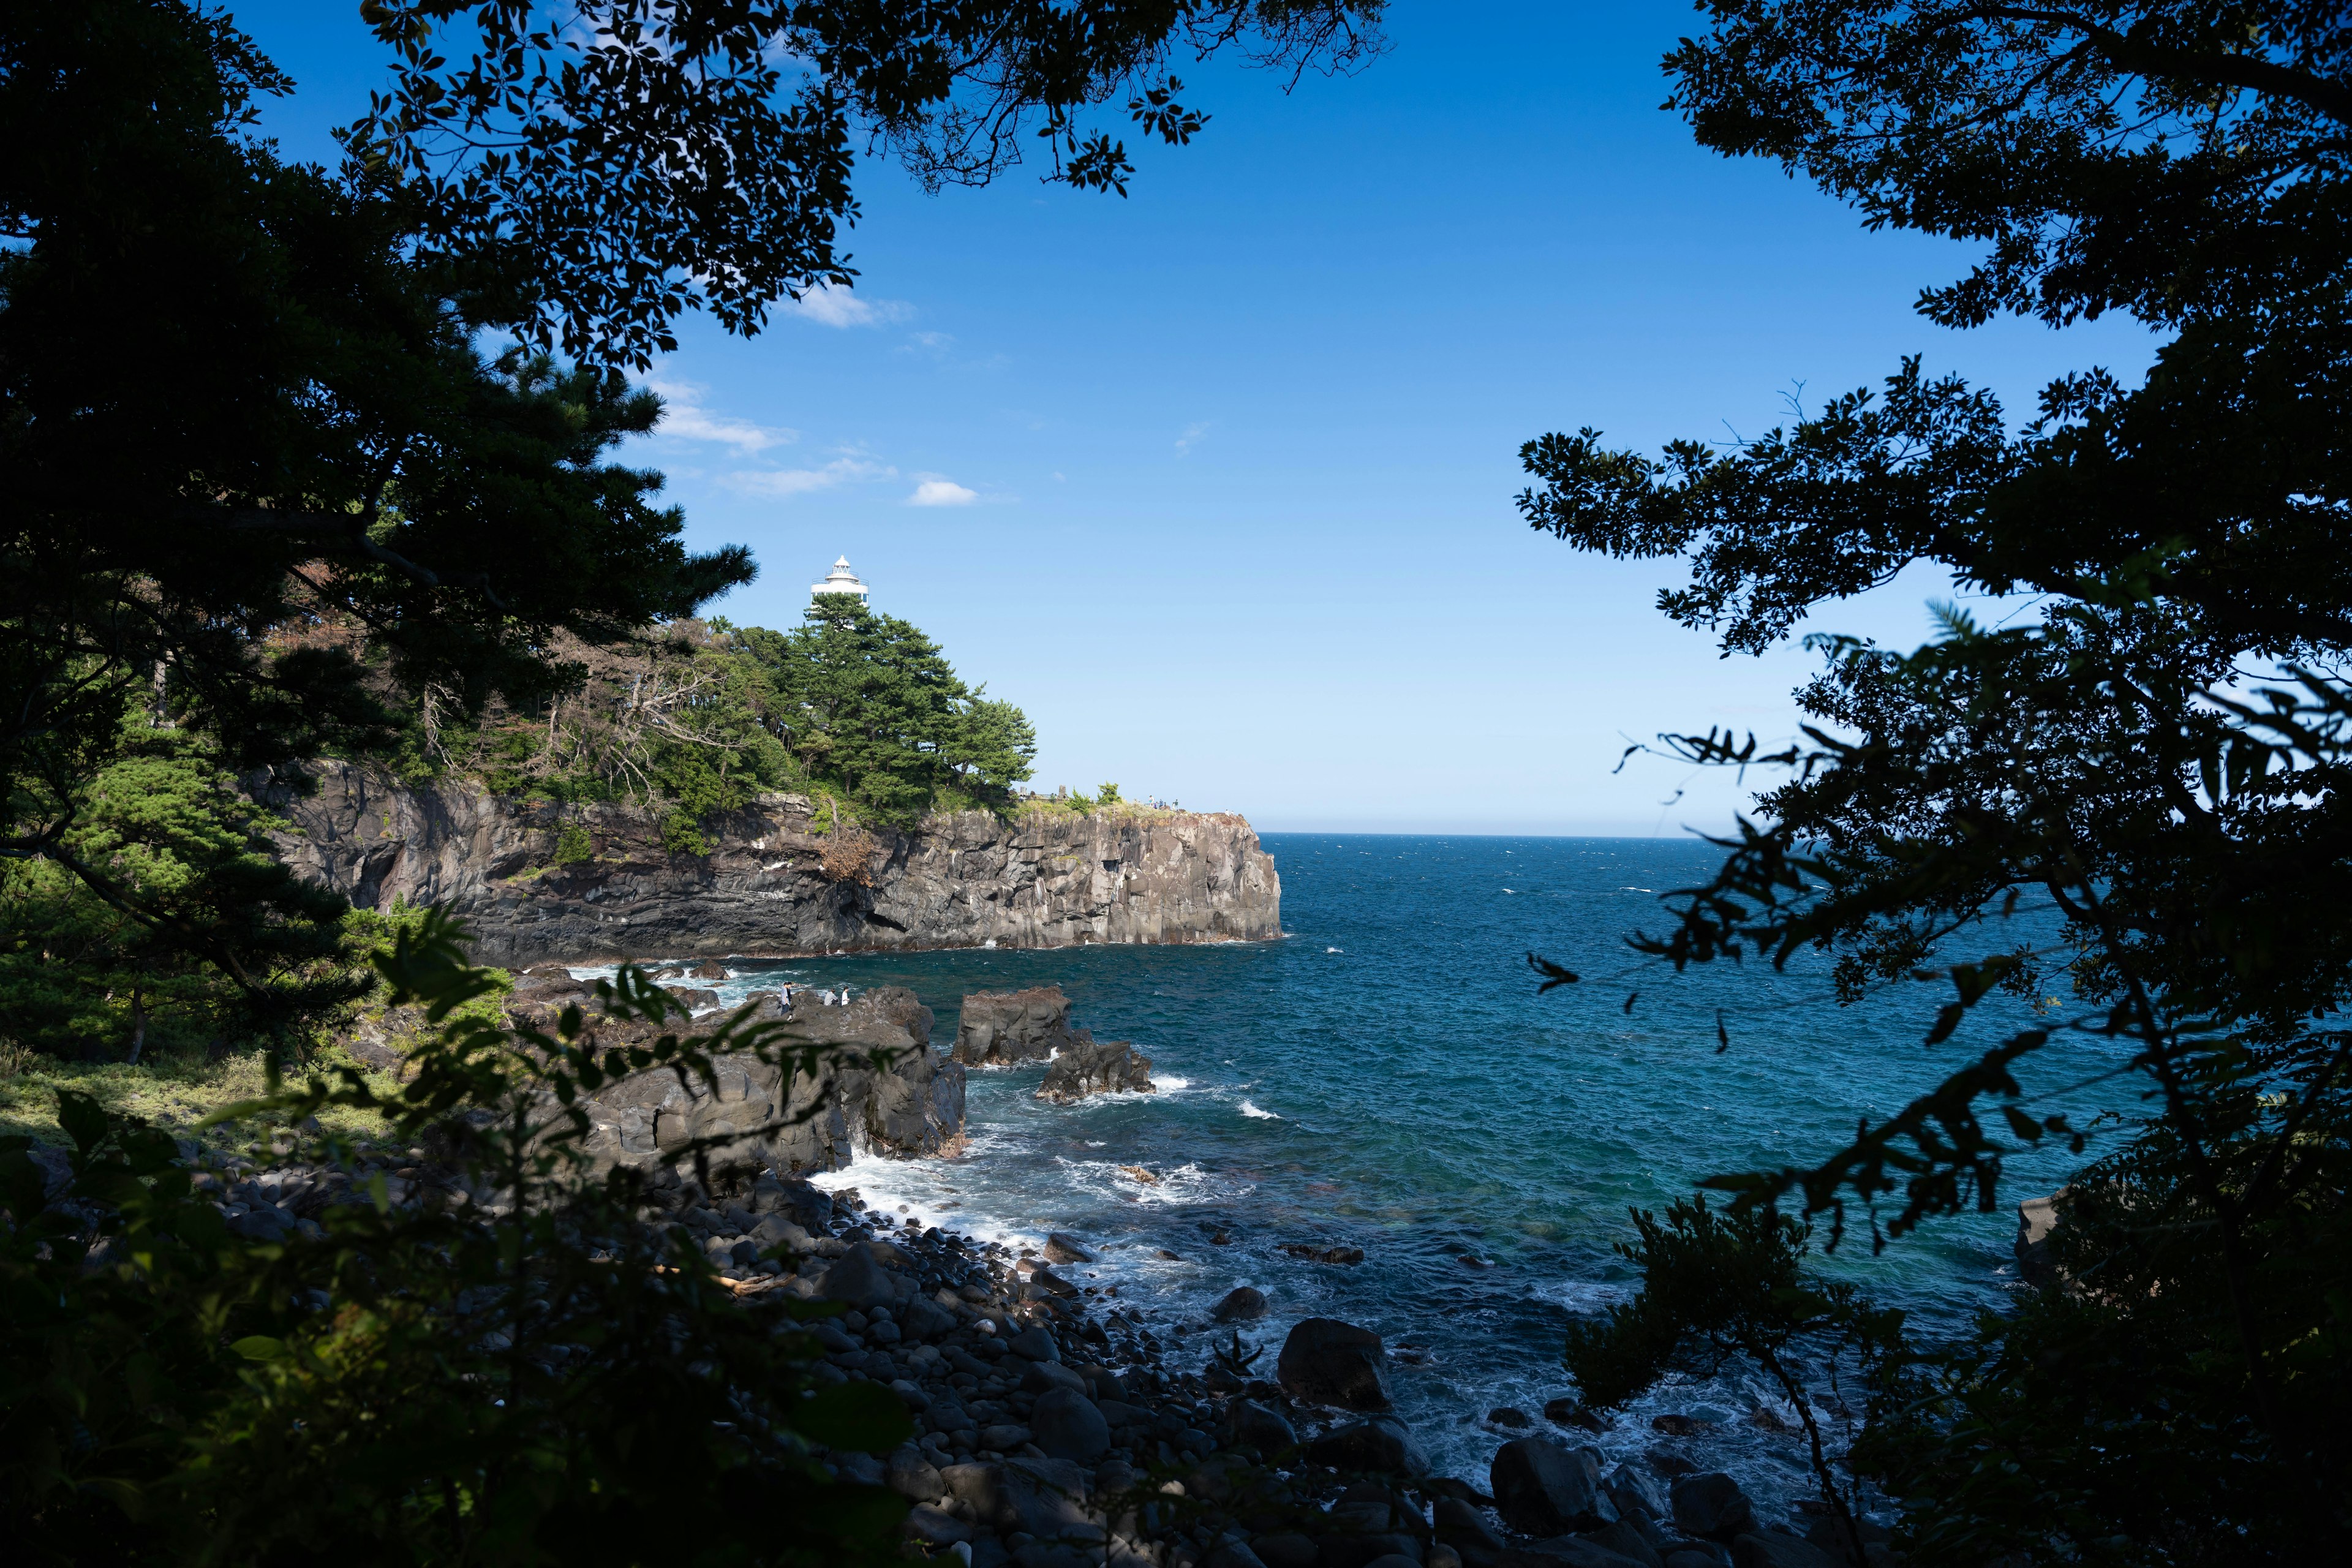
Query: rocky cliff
776, 880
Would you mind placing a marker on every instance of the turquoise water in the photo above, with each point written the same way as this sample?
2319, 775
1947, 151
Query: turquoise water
1387, 1077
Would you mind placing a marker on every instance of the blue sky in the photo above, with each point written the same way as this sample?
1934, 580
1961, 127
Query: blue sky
1216, 482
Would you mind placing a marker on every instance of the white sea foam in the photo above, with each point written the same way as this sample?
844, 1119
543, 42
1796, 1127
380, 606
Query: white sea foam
1332, 950
1169, 1083
1249, 1110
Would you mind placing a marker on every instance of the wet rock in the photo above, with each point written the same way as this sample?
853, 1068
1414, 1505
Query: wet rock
709, 969
1363, 1551
1327, 1362
1233, 1554
694, 997
1542, 1490
1045, 1282
1383, 1444
1045, 1376
1506, 1415
1088, 1066
1061, 1246
1343, 1255
1712, 1505
1569, 1412
938, 1528
1066, 1425
1680, 1425
1239, 1305
1565, 1551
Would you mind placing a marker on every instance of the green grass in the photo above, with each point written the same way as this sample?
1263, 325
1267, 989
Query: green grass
173, 1093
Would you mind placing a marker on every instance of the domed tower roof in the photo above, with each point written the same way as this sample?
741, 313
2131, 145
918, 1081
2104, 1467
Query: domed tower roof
840, 580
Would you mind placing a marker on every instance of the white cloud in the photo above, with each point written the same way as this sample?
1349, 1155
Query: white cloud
831, 307
684, 417
1193, 433
842, 471
942, 492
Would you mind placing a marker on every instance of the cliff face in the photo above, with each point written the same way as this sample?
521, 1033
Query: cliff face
776, 882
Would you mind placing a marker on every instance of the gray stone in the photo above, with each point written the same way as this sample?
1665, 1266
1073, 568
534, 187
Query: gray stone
1327, 1362
1394, 1560
1003, 1436
1565, 1552
1542, 1490
912, 1475
857, 1280
775, 1230
1460, 1524
1712, 1505
1692, 1557
860, 1469
1240, 1304
1035, 1343
1363, 1551
923, 1319
1233, 1554
1040, 1376
1383, 1444
1255, 1427
1001, 1028
1627, 1541
1065, 1423
936, 1526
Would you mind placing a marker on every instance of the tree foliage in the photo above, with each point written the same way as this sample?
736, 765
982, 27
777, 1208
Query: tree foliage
2157, 756
535, 1375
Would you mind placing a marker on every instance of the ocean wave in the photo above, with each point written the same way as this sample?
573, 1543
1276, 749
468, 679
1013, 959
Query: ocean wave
1246, 1109
1169, 1083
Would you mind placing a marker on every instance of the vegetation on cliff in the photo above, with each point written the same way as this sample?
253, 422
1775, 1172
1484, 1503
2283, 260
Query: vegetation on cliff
2158, 757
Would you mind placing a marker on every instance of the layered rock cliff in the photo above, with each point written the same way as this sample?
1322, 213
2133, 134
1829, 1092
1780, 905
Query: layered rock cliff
776, 880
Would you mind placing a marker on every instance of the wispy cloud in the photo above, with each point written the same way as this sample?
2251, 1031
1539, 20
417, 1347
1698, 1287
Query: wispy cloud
831, 307
848, 469
685, 418
936, 491
1192, 436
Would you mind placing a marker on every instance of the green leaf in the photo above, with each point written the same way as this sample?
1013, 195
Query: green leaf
259, 1347
83, 1119
2022, 1124
1947, 1020
864, 1417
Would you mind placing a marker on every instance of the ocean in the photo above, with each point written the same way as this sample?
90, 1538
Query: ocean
1387, 1077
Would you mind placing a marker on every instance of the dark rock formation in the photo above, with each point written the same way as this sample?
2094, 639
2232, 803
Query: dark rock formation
1712, 1505
1095, 1067
1003, 1029
912, 1105
1540, 1488
1241, 1302
1327, 1362
1042, 879
1383, 1444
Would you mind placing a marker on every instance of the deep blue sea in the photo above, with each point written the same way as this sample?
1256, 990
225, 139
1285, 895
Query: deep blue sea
1388, 1077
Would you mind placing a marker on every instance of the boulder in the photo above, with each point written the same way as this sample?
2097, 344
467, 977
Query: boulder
1240, 1304
1569, 1412
1255, 1427
1692, 1557
935, 1527
775, 1230
1327, 1362
1507, 1415
1565, 1551
924, 1318
1035, 1343
1711, 1505
1088, 1066
1633, 1488
1542, 1490
1462, 1526
1001, 1028
1061, 1246
1383, 1444
910, 1475
1045, 1376
1040, 1496
1233, 1554
855, 1280
1287, 1549
1065, 1423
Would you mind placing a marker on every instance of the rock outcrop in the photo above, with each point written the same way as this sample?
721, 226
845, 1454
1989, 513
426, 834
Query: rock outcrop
775, 881
1005, 1028
912, 1104
1095, 1067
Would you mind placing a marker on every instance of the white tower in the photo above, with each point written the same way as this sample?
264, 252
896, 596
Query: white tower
840, 580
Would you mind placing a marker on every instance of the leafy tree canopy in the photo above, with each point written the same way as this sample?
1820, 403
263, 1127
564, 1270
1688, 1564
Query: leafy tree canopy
2157, 756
